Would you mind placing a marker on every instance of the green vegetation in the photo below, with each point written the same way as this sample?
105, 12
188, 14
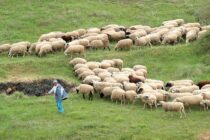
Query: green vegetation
36, 118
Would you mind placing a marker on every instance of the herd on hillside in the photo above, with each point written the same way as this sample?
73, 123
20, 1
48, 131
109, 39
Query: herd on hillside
136, 36
111, 80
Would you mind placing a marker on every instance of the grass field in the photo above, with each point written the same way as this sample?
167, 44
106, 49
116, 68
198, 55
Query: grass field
36, 118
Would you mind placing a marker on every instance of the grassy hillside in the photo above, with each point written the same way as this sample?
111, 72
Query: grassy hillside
36, 118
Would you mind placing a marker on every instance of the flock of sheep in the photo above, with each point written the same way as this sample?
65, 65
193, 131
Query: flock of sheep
111, 80
78, 41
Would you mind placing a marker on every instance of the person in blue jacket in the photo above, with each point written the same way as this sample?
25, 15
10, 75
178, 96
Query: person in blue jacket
60, 95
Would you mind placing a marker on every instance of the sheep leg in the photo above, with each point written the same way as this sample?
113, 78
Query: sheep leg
108, 48
144, 105
83, 96
180, 114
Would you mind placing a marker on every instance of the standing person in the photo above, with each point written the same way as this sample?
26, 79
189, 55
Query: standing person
60, 95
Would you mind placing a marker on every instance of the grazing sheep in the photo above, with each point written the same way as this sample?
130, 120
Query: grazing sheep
139, 67
75, 49
99, 44
205, 104
110, 79
206, 94
118, 94
155, 38
99, 70
170, 38
143, 41
124, 44
121, 79
206, 87
130, 96
80, 70
118, 63
142, 87
93, 30
191, 35
92, 65
174, 106
202, 83
177, 95
129, 86
112, 69
190, 100
135, 79
77, 60
18, 50
85, 89
4, 48
84, 74
103, 75
147, 99
105, 65
47, 48
88, 79
179, 83
107, 91
116, 36
182, 89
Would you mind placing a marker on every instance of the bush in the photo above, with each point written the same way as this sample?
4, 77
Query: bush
203, 14
203, 44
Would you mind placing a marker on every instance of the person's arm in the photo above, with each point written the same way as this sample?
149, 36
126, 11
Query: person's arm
52, 90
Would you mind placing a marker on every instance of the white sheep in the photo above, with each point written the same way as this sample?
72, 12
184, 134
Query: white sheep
190, 100
18, 50
191, 35
47, 48
4, 48
205, 104
88, 79
85, 89
130, 96
124, 44
147, 99
129, 86
118, 63
174, 106
99, 44
75, 49
77, 60
107, 91
118, 95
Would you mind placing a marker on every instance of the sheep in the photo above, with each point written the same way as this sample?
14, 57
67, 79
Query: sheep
206, 94
170, 37
118, 63
129, 86
81, 32
85, 89
93, 30
112, 69
139, 67
99, 44
92, 65
18, 49
207, 27
178, 83
141, 87
174, 106
176, 95
85, 74
130, 96
143, 41
71, 35
99, 86
147, 99
103, 75
88, 79
79, 71
58, 45
124, 44
75, 49
201, 33
47, 48
105, 65
205, 104
107, 91
155, 38
110, 79
111, 62
118, 94
206, 87
191, 35
202, 83
121, 79
77, 61
77, 66
190, 100
135, 79
4, 48
23, 43
55, 34
116, 36
98, 70
32, 48
184, 88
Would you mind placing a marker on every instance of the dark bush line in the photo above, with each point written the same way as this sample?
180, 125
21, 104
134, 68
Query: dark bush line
33, 88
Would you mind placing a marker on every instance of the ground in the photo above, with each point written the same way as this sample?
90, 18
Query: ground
23, 117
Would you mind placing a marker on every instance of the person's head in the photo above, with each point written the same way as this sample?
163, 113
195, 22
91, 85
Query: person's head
55, 82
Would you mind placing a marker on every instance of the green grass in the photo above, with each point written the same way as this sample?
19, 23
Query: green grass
36, 118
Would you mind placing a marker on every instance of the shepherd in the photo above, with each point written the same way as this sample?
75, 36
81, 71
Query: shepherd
60, 95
